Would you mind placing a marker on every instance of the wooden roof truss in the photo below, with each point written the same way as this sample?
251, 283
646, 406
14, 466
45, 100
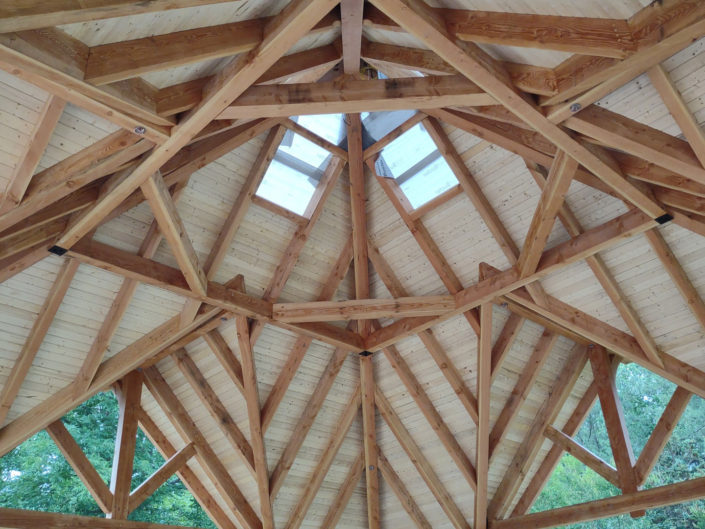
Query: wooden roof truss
547, 116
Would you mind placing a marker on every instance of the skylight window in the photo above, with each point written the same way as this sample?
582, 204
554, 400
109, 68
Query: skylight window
419, 169
294, 173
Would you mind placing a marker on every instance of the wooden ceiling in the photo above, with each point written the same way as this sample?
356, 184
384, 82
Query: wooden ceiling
275, 358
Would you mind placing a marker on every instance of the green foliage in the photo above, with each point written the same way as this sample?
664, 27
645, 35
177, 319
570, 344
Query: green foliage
644, 397
36, 476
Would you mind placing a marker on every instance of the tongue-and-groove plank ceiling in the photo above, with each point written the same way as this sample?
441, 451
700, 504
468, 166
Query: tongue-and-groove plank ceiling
183, 104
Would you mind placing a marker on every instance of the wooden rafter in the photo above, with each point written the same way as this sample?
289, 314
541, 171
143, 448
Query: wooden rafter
423, 401
184, 424
187, 476
216, 408
429, 476
529, 448
325, 461
402, 493
345, 492
443, 361
39, 330
47, 120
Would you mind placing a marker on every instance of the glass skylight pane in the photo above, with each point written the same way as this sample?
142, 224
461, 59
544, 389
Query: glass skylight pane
328, 126
306, 151
431, 181
379, 124
408, 150
287, 187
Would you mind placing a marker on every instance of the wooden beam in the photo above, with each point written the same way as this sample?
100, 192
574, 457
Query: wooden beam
187, 476
530, 446
628, 135
294, 21
162, 276
354, 96
402, 493
129, 396
587, 36
661, 434
325, 461
83, 468
184, 96
108, 63
552, 197
305, 422
174, 231
36, 336
215, 407
160, 476
23, 56
78, 170
605, 277
148, 248
665, 32
364, 309
44, 128
351, 21
111, 370
213, 465
420, 21
600, 333
582, 454
345, 492
27, 14
434, 418
521, 390
19, 519
251, 394
482, 434
596, 510
588, 243
678, 108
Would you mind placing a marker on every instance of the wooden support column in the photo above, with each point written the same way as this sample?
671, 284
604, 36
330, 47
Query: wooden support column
129, 394
251, 393
604, 375
367, 387
484, 374
81, 465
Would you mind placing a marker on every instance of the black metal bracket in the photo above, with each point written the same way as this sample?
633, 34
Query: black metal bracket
663, 219
57, 250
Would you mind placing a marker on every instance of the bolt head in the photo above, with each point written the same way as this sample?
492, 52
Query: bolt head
140, 130
372, 467
575, 107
